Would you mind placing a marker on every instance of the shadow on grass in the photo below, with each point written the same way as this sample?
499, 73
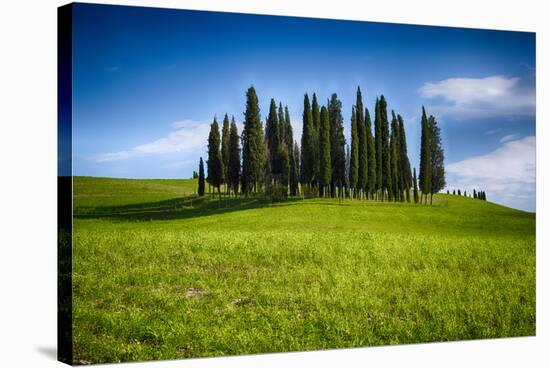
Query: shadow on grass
177, 208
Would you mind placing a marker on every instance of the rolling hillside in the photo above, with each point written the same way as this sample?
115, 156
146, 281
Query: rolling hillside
160, 273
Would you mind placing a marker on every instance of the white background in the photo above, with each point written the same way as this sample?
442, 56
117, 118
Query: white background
28, 160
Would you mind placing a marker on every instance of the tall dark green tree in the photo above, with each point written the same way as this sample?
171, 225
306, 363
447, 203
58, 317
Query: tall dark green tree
371, 156
425, 174
337, 145
234, 157
406, 175
296, 180
325, 172
395, 167
214, 163
253, 145
316, 119
415, 186
362, 171
378, 147
225, 151
354, 153
294, 174
386, 150
201, 178
437, 157
272, 137
282, 126
308, 145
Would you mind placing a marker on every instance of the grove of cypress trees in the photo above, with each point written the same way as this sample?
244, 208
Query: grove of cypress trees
437, 158
234, 157
354, 154
225, 151
214, 163
425, 174
371, 156
201, 179
253, 145
307, 154
325, 169
337, 144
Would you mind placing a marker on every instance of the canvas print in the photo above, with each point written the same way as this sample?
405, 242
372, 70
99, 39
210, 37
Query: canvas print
243, 184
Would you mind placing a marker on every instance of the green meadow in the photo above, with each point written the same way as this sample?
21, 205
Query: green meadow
159, 273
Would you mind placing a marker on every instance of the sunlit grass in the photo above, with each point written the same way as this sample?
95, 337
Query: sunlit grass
160, 274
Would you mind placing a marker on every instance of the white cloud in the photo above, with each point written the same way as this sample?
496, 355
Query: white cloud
188, 137
508, 138
507, 174
493, 96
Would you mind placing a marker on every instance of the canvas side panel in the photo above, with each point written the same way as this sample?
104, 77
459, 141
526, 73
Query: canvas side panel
64, 185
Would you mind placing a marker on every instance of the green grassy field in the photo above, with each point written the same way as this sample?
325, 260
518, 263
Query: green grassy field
161, 274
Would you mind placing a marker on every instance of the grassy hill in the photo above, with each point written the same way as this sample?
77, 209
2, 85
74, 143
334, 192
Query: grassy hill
162, 274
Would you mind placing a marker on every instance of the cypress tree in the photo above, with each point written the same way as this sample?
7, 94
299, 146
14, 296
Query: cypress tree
362, 174
425, 159
337, 144
415, 186
284, 152
459, 192
272, 137
307, 154
282, 126
253, 145
316, 122
225, 152
354, 153
406, 175
437, 158
386, 151
284, 162
296, 180
234, 157
371, 156
214, 163
475, 194
289, 133
454, 192
201, 178
293, 168
378, 148
395, 168
325, 172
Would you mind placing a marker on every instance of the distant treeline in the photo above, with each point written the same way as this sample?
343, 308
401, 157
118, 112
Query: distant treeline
375, 165
476, 195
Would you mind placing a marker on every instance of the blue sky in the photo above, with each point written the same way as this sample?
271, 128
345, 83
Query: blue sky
147, 83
